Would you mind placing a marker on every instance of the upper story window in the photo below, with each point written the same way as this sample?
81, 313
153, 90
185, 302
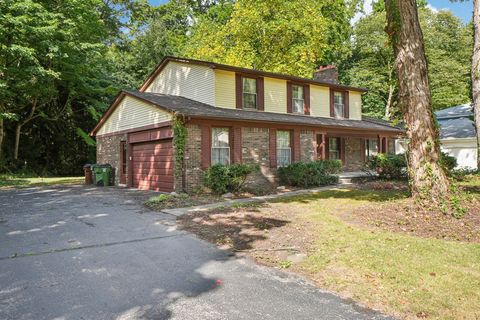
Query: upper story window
298, 99
339, 104
220, 146
249, 93
284, 150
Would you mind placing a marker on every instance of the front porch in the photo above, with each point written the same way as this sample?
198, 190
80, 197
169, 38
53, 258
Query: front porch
353, 150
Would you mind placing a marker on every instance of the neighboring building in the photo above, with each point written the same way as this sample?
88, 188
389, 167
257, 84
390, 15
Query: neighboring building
234, 115
457, 135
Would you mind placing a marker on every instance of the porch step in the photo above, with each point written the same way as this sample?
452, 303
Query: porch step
344, 181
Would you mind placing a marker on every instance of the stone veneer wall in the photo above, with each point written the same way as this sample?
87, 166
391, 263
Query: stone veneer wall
353, 154
108, 151
193, 160
307, 145
255, 150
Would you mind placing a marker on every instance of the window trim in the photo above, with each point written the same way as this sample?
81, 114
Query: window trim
345, 97
212, 148
249, 93
289, 148
259, 95
338, 150
296, 99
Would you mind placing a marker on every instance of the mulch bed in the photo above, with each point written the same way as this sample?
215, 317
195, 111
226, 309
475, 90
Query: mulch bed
407, 216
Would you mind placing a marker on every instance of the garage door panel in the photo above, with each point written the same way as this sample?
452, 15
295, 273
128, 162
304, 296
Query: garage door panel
153, 165
154, 171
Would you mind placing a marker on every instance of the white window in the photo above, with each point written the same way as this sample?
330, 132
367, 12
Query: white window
249, 93
334, 148
220, 146
339, 105
371, 148
298, 99
284, 150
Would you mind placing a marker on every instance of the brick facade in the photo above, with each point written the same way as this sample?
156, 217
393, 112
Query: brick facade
192, 159
353, 154
108, 151
307, 145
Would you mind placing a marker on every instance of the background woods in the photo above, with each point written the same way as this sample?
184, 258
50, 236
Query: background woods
62, 61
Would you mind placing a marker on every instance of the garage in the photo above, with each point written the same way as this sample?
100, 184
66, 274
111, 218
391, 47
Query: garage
151, 160
152, 164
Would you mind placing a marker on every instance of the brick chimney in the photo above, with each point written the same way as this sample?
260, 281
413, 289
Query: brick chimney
326, 74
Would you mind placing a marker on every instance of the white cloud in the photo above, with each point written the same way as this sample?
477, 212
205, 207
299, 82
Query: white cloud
434, 9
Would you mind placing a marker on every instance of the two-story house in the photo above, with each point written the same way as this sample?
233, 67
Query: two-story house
234, 115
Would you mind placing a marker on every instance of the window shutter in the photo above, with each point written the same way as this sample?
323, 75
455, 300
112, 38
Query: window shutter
347, 107
260, 95
237, 144
306, 99
238, 91
206, 146
272, 147
332, 101
296, 145
341, 142
289, 97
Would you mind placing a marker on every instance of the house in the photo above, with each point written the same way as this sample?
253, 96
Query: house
234, 115
457, 135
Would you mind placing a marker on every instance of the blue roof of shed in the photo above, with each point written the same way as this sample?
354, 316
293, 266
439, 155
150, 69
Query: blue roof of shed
456, 122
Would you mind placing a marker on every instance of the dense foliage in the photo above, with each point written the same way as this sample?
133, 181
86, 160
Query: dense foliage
448, 46
62, 62
310, 174
389, 166
227, 178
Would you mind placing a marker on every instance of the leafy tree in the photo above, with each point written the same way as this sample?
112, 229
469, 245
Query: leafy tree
371, 64
291, 37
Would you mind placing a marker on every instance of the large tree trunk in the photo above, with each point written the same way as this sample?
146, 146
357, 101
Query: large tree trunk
18, 130
2, 135
476, 73
427, 177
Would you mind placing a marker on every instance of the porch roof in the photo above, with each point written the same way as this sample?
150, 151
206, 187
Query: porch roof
196, 109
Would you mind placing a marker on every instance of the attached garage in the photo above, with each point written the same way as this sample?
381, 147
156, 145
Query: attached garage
152, 165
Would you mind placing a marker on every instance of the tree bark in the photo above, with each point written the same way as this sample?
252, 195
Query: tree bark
2, 135
18, 130
476, 73
428, 179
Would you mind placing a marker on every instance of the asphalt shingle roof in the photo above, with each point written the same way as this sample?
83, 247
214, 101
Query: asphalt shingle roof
456, 122
188, 107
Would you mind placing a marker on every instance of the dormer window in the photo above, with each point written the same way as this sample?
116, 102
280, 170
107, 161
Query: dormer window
298, 101
249, 93
339, 104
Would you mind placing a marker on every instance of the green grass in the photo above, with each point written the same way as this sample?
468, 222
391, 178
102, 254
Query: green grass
404, 275
8, 181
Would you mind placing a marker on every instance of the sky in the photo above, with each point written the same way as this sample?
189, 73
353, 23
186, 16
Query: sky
460, 9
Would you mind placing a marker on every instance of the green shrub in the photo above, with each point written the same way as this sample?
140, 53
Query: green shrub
389, 166
310, 174
227, 178
448, 162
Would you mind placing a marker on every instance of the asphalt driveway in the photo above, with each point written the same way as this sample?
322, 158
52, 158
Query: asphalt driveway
76, 252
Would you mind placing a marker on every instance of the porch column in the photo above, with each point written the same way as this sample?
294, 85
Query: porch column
323, 146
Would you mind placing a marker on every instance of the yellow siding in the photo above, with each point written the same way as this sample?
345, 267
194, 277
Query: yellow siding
225, 89
133, 113
186, 80
275, 95
319, 101
355, 105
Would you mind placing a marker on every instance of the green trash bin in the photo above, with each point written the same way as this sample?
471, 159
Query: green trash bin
102, 174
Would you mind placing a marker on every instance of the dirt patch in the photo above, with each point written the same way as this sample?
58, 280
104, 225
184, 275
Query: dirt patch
406, 216
268, 232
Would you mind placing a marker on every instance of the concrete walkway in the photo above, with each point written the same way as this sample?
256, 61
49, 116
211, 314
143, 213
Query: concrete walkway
259, 199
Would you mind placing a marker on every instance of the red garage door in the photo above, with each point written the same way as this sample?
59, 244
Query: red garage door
153, 165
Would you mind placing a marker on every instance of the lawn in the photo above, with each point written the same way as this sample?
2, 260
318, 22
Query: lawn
8, 181
321, 236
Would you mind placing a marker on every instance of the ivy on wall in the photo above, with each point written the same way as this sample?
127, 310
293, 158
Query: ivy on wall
179, 142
